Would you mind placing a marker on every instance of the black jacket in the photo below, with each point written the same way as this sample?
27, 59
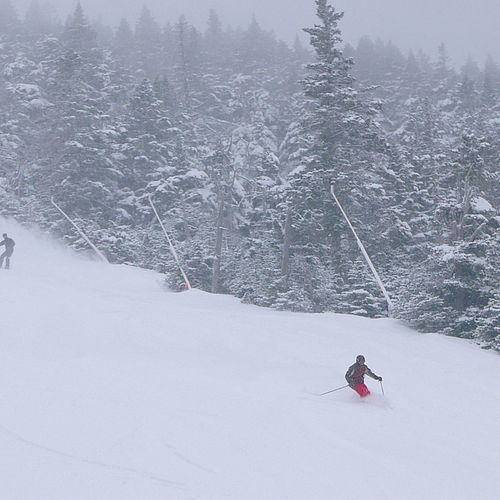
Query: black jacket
9, 244
355, 375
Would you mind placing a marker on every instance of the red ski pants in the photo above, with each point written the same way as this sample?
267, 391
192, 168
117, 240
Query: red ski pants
362, 390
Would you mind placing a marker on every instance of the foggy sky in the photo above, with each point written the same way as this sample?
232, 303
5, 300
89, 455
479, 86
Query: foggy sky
467, 27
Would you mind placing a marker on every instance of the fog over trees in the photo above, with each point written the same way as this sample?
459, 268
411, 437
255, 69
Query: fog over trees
467, 27
238, 136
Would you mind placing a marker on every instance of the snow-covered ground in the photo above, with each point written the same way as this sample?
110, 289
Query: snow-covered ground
112, 388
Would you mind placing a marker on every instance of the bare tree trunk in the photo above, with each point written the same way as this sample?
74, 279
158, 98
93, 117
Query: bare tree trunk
224, 195
287, 241
182, 48
218, 249
20, 179
465, 206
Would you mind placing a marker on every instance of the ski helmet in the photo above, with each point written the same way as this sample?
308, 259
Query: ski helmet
360, 358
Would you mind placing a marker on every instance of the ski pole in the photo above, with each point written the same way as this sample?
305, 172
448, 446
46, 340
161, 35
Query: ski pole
382, 387
333, 390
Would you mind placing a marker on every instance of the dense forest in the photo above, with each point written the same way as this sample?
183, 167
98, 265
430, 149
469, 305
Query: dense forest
238, 137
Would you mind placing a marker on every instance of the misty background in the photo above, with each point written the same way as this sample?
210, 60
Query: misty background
466, 27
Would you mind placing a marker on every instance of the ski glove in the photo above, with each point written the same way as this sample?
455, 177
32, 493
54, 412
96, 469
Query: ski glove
380, 379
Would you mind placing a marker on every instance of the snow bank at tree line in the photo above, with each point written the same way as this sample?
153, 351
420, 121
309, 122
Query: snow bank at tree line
112, 388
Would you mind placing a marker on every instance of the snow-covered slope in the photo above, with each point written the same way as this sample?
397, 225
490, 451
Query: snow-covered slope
112, 388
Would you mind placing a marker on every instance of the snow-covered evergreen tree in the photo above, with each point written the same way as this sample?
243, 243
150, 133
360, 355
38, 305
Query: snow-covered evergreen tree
341, 152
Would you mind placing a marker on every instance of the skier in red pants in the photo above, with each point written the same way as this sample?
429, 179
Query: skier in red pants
355, 376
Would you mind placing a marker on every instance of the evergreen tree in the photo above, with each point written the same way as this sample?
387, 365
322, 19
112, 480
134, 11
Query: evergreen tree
38, 20
471, 70
491, 83
215, 48
147, 44
343, 140
456, 283
123, 44
78, 35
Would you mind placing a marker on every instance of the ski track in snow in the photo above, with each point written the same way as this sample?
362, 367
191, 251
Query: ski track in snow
112, 388
86, 461
185, 459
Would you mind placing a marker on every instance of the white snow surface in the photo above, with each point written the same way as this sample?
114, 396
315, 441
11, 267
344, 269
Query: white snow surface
113, 388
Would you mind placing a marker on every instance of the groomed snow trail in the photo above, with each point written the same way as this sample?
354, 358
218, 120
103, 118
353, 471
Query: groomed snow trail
112, 388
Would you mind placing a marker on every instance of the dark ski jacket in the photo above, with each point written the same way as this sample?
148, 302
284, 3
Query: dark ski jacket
355, 375
9, 244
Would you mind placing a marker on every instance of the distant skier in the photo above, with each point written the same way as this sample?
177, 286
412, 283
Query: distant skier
355, 376
9, 250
